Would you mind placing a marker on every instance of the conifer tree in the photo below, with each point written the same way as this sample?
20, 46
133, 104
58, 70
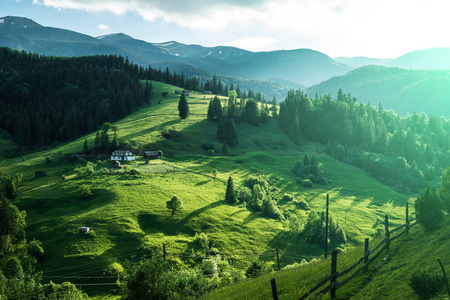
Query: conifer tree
230, 196
230, 135
183, 107
429, 209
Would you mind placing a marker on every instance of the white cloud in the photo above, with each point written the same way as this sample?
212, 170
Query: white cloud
103, 27
336, 27
254, 43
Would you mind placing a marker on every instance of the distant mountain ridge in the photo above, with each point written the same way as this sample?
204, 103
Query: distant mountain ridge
404, 91
274, 71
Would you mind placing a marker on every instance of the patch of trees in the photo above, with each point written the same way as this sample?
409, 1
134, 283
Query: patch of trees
254, 194
314, 229
309, 169
404, 152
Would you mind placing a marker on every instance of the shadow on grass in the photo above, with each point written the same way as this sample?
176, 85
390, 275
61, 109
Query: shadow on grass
202, 183
197, 212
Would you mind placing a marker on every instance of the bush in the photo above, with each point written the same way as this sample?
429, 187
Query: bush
35, 249
429, 209
256, 269
270, 208
48, 159
307, 183
210, 152
208, 146
302, 204
202, 240
134, 172
426, 283
85, 191
287, 197
244, 194
13, 268
209, 267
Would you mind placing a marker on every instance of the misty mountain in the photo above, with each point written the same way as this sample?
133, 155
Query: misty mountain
434, 58
360, 61
298, 68
404, 91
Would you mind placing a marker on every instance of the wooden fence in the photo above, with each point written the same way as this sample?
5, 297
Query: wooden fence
369, 256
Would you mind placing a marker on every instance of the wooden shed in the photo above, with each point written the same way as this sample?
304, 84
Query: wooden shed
151, 155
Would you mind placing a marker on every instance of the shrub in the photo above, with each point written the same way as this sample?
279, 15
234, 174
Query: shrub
244, 194
13, 268
426, 283
210, 152
429, 209
302, 204
307, 183
202, 240
287, 197
208, 146
134, 172
256, 269
35, 249
209, 267
85, 191
48, 159
166, 134
270, 208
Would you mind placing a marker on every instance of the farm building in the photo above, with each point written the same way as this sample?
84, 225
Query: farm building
177, 92
122, 155
151, 155
84, 229
116, 165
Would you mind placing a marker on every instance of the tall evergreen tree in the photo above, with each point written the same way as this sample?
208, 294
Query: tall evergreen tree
230, 195
428, 209
230, 135
183, 107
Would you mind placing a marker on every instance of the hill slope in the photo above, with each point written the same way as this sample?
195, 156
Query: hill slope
128, 215
403, 91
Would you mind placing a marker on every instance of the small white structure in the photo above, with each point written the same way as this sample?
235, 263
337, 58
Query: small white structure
122, 155
84, 229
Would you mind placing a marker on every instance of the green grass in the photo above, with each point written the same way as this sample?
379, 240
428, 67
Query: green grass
387, 277
127, 213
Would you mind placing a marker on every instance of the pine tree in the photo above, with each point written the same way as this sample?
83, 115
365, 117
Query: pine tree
210, 116
230, 135
230, 196
221, 131
183, 107
97, 142
429, 209
85, 146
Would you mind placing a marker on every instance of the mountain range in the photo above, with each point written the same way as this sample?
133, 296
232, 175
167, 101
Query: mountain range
272, 73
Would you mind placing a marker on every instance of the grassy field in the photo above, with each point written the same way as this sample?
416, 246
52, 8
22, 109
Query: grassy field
128, 216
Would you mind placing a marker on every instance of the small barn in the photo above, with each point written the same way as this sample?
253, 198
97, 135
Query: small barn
151, 155
177, 92
186, 93
84, 229
122, 155
116, 165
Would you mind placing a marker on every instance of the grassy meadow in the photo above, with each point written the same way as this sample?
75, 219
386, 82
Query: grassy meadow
128, 214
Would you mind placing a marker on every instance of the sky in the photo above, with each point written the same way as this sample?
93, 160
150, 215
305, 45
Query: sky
372, 28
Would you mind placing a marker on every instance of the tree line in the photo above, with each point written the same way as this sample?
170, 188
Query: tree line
404, 152
47, 99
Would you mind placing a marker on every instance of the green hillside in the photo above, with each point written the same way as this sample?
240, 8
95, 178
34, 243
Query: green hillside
387, 277
128, 214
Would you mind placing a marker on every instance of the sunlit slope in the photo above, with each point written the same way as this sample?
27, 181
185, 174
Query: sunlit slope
387, 277
128, 214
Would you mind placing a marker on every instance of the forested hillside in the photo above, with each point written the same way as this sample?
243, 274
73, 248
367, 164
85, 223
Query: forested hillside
404, 152
47, 99
403, 91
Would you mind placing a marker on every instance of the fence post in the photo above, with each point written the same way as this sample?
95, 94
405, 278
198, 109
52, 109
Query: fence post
407, 219
164, 251
326, 231
278, 260
274, 289
366, 252
333, 273
386, 230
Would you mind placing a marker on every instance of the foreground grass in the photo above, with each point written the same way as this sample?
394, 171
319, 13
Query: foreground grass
128, 216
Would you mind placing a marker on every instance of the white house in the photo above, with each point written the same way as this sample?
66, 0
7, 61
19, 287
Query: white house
122, 155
